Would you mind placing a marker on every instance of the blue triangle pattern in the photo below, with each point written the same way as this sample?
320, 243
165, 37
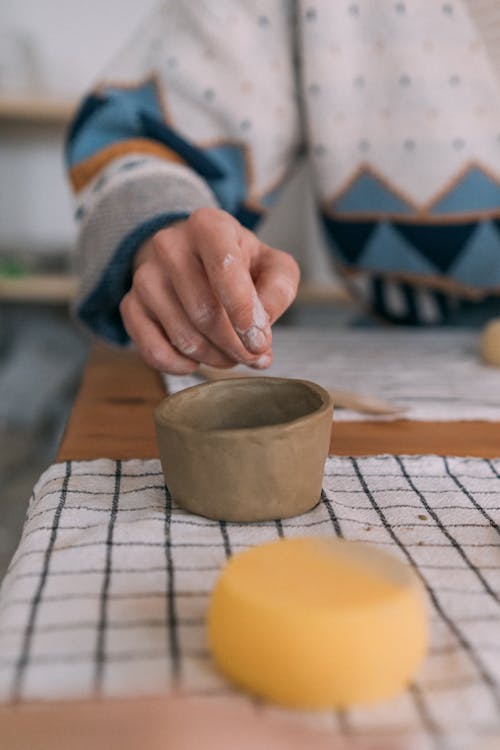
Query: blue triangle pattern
348, 237
388, 250
475, 192
367, 194
441, 244
479, 263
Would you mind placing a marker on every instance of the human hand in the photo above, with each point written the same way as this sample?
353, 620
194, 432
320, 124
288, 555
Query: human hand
207, 290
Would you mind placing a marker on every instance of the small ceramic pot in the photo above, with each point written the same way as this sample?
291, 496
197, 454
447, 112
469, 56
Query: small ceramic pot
248, 449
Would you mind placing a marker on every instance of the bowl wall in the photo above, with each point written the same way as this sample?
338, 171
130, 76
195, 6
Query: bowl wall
236, 452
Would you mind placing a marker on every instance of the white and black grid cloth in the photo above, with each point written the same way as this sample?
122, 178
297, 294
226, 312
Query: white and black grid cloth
108, 590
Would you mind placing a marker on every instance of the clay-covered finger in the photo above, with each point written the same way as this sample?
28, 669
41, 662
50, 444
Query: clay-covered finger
161, 301
186, 275
277, 281
150, 340
226, 265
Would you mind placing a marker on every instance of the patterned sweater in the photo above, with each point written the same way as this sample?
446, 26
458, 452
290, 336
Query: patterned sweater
396, 104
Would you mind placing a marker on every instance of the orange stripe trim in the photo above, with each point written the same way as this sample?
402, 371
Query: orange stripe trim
83, 172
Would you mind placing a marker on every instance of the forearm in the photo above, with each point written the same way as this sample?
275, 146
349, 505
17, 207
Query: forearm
118, 218
203, 119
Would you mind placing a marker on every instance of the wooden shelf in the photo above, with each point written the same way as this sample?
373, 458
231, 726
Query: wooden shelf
35, 110
53, 288
58, 287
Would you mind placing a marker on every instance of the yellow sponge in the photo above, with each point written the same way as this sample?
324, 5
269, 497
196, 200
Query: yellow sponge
318, 622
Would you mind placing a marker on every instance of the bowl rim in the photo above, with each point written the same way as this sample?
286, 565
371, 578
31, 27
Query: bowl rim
326, 405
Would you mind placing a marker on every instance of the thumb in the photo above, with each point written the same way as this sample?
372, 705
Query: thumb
276, 279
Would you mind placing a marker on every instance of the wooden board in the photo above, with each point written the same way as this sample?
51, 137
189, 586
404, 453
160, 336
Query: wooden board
37, 110
163, 722
56, 288
112, 417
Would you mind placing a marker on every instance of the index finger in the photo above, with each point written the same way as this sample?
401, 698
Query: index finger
226, 265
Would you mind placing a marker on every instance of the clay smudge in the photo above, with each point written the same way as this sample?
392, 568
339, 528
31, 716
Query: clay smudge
188, 349
228, 260
260, 318
262, 362
205, 312
254, 338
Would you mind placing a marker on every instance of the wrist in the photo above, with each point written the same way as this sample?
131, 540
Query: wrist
143, 253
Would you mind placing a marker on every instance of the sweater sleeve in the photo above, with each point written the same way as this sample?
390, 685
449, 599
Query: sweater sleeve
198, 110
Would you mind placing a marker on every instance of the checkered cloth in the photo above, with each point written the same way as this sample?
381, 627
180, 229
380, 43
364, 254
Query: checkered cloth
108, 590
453, 383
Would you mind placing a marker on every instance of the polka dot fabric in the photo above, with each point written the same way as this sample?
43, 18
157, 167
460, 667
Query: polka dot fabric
411, 79
395, 103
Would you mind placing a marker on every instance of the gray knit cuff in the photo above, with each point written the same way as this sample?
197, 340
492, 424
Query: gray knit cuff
118, 213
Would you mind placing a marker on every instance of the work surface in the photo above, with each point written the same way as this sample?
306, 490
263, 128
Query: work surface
142, 559
112, 418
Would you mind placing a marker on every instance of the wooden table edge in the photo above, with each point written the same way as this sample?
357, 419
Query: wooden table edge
112, 418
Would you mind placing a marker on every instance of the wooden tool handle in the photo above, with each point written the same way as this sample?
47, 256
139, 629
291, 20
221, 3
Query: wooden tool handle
360, 402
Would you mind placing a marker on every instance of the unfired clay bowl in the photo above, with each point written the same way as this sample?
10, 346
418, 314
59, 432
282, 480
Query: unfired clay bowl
249, 449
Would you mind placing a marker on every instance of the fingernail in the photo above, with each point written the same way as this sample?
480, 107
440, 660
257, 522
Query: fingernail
262, 362
255, 339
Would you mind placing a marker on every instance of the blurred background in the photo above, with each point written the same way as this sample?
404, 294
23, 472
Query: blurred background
51, 51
